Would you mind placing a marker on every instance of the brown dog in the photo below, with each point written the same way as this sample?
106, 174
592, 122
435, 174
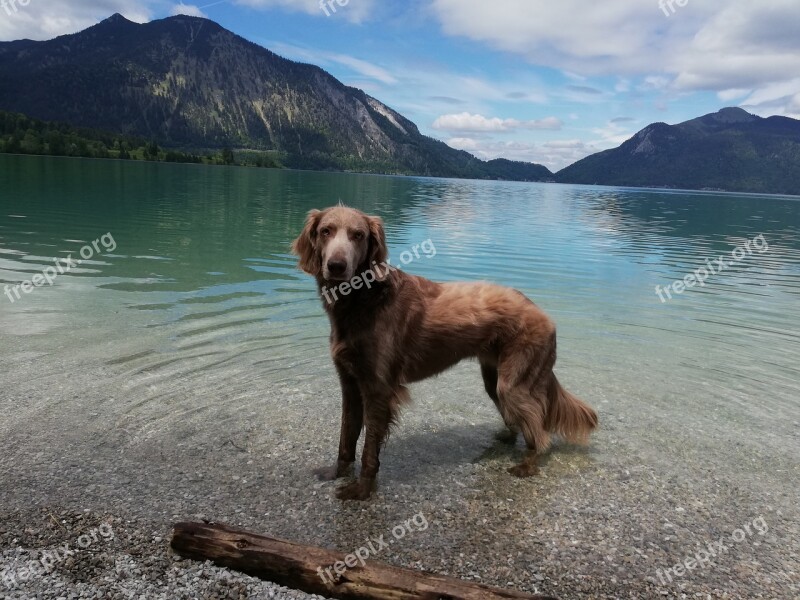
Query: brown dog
398, 329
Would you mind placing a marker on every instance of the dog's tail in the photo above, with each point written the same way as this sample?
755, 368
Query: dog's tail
568, 415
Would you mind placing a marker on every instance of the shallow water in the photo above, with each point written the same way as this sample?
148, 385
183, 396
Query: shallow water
197, 332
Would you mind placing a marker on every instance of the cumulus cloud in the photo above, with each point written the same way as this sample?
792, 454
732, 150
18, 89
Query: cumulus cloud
776, 99
467, 122
555, 155
716, 45
612, 134
744, 44
188, 10
578, 37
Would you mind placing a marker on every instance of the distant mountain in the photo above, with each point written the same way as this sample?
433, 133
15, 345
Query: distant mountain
501, 168
188, 83
730, 150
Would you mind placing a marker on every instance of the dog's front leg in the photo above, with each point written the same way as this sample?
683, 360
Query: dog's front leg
378, 411
352, 422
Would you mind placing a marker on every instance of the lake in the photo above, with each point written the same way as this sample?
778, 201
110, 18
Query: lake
187, 341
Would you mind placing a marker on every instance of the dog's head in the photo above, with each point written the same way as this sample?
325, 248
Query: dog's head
339, 242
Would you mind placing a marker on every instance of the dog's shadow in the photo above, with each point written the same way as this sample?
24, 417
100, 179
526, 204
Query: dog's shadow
416, 456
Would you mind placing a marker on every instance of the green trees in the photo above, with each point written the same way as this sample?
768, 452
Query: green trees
227, 156
151, 151
22, 135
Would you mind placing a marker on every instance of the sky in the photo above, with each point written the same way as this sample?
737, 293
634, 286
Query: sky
545, 81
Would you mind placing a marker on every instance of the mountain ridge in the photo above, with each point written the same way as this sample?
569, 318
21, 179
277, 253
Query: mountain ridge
187, 82
730, 150
190, 84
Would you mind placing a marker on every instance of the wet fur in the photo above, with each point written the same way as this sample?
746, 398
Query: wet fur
407, 328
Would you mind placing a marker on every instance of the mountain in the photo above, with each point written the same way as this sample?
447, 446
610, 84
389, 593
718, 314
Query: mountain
730, 150
188, 83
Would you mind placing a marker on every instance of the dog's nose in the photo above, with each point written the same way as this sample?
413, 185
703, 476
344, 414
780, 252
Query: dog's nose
337, 267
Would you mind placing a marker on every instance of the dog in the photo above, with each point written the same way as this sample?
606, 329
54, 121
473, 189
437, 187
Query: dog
394, 329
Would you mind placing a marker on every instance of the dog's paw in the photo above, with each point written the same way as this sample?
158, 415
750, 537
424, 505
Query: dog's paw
506, 436
357, 490
524, 470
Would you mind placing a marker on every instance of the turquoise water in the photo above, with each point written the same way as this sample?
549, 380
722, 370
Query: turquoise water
201, 267
182, 367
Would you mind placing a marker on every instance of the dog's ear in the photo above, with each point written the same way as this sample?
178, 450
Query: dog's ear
377, 246
305, 246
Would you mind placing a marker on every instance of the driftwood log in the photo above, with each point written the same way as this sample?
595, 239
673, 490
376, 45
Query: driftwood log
304, 567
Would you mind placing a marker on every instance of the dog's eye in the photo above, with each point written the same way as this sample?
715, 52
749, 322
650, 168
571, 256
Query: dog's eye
358, 235
325, 232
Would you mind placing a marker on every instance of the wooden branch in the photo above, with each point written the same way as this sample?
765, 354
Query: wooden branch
304, 567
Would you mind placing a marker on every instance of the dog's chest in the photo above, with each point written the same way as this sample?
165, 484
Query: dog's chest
354, 354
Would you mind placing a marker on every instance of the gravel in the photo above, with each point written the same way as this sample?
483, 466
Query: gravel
106, 447
124, 562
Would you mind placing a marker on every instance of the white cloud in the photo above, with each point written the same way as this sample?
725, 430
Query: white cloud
467, 122
732, 94
355, 11
622, 86
656, 83
555, 155
612, 134
365, 68
42, 20
715, 45
742, 44
464, 143
189, 10
414, 90
323, 58
776, 99
572, 35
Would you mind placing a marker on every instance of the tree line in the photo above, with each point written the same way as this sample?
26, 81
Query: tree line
20, 134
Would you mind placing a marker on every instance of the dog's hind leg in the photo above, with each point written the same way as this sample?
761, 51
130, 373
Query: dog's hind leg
527, 411
522, 393
489, 372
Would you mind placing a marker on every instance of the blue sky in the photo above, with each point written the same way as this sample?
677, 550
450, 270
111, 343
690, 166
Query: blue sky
529, 80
